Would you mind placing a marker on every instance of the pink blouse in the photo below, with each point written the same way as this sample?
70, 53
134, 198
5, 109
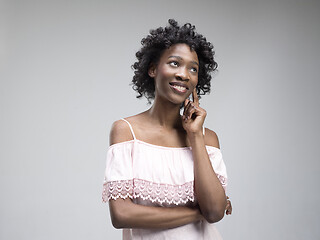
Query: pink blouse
153, 175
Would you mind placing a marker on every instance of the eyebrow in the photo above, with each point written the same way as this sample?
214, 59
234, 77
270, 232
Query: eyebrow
180, 58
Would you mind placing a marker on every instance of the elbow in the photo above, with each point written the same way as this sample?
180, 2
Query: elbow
116, 223
214, 216
215, 212
121, 219
118, 217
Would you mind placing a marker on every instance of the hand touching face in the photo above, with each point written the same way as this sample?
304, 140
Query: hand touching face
193, 115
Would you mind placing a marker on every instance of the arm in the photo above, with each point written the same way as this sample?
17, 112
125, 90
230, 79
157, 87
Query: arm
209, 191
126, 214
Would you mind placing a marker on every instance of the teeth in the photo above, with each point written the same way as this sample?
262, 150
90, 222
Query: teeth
180, 88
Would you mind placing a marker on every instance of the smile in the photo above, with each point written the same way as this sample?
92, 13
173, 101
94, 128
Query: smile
180, 87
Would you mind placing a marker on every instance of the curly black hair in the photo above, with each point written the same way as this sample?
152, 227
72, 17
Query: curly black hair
161, 39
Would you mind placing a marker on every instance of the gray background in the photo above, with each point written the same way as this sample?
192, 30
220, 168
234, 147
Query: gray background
65, 70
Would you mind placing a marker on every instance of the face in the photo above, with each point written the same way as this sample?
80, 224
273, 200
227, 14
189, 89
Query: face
176, 74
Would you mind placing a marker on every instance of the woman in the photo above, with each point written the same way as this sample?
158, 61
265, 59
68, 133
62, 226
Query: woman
165, 177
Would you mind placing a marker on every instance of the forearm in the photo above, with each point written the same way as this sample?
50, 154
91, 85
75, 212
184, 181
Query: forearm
208, 189
126, 214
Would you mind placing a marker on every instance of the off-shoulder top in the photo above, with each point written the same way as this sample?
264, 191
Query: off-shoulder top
155, 175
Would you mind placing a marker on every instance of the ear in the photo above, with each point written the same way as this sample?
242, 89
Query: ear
152, 70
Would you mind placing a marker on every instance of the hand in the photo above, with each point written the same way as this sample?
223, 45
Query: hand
228, 207
193, 115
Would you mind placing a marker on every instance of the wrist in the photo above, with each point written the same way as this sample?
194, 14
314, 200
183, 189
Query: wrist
199, 216
195, 135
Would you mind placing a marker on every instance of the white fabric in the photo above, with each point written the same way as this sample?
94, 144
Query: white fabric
158, 176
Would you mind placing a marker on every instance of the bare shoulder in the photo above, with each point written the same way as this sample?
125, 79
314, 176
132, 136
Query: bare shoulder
120, 132
211, 138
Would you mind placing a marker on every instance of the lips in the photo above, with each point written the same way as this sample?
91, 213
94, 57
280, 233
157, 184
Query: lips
179, 86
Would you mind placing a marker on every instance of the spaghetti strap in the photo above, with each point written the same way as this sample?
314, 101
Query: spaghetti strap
134, 136
131, 129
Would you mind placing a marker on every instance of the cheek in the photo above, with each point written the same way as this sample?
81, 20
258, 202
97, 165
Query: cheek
162, 76
194, 82
165, 72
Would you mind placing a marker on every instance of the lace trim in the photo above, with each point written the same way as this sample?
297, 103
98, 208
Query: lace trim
155, 192
116, 189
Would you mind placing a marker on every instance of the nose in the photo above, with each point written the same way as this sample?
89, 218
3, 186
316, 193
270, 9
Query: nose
182, 74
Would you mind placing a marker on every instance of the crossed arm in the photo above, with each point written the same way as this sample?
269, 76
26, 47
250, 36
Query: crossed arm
126, 214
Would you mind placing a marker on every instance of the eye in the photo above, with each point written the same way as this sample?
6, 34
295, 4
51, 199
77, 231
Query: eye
174, 63
195, 70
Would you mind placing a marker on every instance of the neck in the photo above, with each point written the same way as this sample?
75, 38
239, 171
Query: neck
165, 114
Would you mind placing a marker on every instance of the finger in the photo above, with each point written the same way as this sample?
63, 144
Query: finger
230, 207
228, 211
191, 112
187, 110
195, 97
190, 109
227, 206
186, 104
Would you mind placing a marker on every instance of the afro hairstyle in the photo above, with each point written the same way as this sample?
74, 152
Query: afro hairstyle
161, 39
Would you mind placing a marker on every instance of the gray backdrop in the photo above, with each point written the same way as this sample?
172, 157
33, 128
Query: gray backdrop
65, 73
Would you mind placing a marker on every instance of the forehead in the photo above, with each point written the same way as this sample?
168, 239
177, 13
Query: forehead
181, 50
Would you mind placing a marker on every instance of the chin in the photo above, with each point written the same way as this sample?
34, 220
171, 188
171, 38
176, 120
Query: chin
174, 98
178, 100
